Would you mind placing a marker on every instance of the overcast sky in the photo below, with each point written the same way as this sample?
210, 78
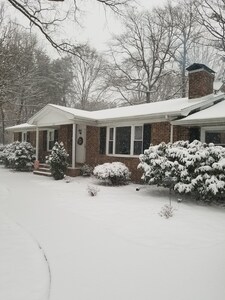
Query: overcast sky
98, 27
97, 24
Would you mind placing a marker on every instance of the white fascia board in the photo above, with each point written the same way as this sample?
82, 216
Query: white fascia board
134, 120
17, 128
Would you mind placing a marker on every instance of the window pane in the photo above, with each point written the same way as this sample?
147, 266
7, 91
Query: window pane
138, 133
111, 134
215, 137
137, 147
51, 144
110, 147
123, 135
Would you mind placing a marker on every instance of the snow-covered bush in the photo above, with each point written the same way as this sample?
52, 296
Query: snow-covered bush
1, 153
196, 168
58, 161
92, 190
18, 155
167, 211
24, 157
115, 173
86, 170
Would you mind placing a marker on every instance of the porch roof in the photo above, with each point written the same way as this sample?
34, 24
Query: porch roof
209, 116
24, 126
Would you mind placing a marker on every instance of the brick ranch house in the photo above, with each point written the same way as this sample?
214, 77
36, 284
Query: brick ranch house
121, 134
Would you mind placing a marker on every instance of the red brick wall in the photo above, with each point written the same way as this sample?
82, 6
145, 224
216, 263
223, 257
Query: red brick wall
200, 84
180, 133
160, 133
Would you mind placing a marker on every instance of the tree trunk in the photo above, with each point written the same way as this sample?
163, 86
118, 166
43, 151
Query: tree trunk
3, 124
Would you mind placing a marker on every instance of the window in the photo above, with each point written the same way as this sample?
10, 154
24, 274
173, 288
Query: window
24, 136
215, 135
218, 138
111, 138
128, 140
50, 140
123, 135
138, 140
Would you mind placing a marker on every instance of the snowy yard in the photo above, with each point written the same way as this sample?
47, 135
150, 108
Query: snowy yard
114, 246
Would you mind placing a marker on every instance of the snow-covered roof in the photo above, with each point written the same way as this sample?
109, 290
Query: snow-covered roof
52, 114
210, 115
20, 127
174, 107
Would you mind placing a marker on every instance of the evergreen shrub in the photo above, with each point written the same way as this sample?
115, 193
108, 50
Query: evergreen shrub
58, 161
19, 156
115, 173
196, 168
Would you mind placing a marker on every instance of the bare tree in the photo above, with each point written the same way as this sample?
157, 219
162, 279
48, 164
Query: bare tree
146, 47
212, 17
189, 34
89, 85
47, 15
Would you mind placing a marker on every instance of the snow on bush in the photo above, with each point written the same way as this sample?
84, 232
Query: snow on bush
196, 168
19, 156
58, 161
1, 153
116, 173
167, 211
92, 190
86, 170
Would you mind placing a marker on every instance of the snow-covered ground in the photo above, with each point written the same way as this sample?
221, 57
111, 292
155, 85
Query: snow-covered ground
114, 246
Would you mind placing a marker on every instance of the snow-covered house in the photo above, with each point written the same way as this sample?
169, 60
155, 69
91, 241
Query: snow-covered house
121, 134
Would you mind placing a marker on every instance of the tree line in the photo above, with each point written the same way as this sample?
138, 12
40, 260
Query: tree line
146, 62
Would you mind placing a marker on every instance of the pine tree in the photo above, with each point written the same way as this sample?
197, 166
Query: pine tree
58, 161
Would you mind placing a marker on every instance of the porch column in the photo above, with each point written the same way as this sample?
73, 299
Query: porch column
74, 146
171, 133
37, 143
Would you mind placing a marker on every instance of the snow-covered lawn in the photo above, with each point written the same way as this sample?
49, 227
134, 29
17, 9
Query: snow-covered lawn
114, 246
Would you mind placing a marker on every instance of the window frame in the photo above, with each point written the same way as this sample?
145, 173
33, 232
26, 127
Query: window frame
212, 129
49, 131
132, 140
24, 136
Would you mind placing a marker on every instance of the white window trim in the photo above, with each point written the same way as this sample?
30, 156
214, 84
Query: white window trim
48, 138
131, 141
24, 134
210, 128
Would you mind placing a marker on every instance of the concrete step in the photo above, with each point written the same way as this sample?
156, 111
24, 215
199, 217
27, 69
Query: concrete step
37, 172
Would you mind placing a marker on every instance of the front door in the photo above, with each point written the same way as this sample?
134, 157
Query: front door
81, 144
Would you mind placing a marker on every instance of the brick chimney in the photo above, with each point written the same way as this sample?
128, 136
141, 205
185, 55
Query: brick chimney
200, 79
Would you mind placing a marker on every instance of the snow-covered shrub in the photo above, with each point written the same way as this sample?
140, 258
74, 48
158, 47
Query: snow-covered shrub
8, 154
92, 190
1, 153
115, 173
24, 157
18, 155
167, 211
196, 168
86, 170
58, 161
